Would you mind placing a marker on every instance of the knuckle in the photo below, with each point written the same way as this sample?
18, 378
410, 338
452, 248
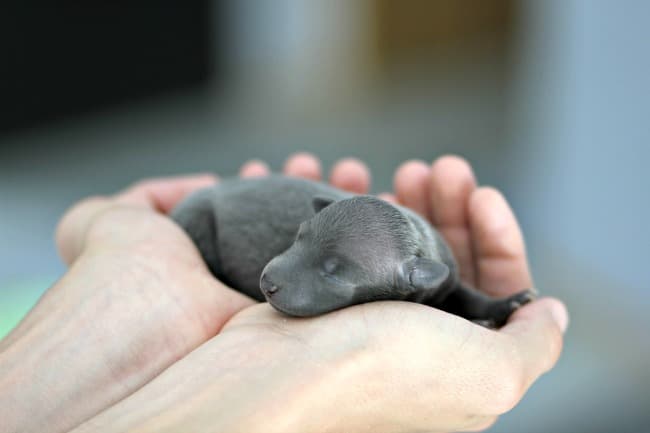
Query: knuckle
113, 221
74, 221
70, 217
85, 203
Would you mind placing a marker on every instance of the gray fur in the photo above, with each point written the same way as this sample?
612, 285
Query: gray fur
309, 248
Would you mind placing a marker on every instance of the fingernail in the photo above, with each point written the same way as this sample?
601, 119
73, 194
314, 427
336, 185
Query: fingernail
560, 315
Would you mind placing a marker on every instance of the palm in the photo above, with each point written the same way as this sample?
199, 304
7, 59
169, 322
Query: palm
486, 241
383, 363
171, 256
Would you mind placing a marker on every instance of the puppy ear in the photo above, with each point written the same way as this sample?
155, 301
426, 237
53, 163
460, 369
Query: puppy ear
320, 202
420, 273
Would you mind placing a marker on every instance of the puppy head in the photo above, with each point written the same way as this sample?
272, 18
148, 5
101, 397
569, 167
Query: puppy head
352, 251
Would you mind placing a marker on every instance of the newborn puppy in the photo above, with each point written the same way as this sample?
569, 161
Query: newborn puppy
308, 249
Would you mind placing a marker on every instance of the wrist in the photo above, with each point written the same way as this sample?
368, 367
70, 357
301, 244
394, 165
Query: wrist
99, 334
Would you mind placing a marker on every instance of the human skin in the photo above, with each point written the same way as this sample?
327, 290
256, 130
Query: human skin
377, 367
137, 298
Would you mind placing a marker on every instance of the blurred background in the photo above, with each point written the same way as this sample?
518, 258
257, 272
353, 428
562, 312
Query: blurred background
548, 100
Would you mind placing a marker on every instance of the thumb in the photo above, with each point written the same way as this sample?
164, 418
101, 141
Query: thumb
153, 194
537, 329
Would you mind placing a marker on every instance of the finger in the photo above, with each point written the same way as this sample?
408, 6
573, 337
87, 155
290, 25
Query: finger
513, 357
498, 245
303, 165
351, 175
536, 329
254, 168
164, 193
452, 183
412, 184
390, 198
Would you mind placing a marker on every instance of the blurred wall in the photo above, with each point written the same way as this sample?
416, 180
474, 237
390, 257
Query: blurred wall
547, 99
582, 112
74, 57
579, 156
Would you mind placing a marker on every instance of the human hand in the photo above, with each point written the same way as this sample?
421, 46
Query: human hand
376, 367
137, 297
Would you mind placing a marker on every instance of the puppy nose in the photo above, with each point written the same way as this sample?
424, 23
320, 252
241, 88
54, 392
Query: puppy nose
267, 286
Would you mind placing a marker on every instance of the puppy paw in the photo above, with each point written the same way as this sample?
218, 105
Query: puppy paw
486, 323
503, 308
520, 299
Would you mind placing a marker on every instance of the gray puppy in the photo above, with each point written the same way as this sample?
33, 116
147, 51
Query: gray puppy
308, 249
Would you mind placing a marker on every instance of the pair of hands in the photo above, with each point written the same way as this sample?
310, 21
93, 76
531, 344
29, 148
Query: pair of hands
138, 335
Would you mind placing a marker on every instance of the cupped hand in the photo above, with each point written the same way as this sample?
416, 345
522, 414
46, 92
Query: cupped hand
377, 367
136, 298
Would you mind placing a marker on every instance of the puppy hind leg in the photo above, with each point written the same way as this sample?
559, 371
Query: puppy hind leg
481, 308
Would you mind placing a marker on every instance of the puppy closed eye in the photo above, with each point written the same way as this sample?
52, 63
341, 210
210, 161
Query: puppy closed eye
331, 265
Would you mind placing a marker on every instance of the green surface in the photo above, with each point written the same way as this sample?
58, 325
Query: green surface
17, 298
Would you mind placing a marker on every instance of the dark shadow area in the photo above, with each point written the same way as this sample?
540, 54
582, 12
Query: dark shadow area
72, 57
